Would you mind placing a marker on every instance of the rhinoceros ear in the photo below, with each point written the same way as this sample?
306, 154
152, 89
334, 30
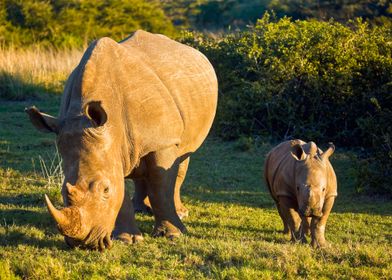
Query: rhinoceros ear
43, 122
297, 152
96, 113
328, 152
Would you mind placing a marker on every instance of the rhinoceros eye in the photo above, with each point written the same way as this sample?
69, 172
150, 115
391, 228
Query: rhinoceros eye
297, 188
106, 189
323, 189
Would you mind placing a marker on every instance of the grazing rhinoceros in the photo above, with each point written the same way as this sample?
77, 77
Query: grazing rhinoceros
303, 184
135, 109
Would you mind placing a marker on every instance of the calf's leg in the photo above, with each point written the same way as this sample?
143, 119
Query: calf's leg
317, 227
292, 218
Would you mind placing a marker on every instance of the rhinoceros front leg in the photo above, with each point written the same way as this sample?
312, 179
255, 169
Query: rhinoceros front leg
125, 228
317, 227
305, 225
291, 217
141, 203
162, 170
285, 225
182, 211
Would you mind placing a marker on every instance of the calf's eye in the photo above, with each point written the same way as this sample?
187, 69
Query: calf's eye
106, 189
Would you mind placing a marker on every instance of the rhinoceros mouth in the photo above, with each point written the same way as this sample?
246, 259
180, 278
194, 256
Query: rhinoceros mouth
310, 213
97, 239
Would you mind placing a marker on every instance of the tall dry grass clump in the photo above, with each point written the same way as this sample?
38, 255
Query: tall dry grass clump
25, 73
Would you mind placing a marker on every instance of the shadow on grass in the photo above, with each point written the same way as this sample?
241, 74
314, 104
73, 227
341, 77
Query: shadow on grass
28, 218
16, 88
24, 200
14, 238
243, 197
21, 227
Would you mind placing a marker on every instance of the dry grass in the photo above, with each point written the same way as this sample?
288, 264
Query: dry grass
27, 72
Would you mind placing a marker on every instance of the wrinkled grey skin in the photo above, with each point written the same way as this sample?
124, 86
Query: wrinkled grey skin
303, 184
135, 109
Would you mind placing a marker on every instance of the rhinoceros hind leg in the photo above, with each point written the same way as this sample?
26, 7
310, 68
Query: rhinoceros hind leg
181, 210
162, 173
141, 203
126, 229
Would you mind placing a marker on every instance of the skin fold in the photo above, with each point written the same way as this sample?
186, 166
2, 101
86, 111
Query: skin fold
135, 109
303, 184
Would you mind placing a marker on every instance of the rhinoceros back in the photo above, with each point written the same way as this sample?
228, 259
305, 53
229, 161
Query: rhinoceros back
189, 79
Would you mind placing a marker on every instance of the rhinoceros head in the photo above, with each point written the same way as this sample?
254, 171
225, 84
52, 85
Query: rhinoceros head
311, 177
93, 188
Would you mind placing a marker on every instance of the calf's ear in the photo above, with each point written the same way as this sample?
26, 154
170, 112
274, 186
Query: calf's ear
43, 122
297, 152
328, 152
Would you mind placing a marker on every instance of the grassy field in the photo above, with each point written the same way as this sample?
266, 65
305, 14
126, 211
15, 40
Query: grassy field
234, 229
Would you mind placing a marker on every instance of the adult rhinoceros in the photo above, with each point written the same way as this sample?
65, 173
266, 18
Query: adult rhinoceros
135, 109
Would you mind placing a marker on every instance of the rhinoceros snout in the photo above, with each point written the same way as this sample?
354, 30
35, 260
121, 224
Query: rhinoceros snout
100, 243
309, 212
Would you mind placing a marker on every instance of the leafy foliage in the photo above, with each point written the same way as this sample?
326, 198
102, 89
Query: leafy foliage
75, 23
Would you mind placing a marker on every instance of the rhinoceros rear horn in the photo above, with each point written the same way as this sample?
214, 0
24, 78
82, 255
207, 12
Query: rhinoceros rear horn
95, 112
328, 152
67, 219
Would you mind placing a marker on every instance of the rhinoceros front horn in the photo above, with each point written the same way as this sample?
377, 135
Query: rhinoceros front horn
68, 219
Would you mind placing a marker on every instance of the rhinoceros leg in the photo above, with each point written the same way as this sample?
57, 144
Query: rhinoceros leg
125, 228
305, 225
288, 209
162, 170
141, 203
285, 225
182, 211
317, 227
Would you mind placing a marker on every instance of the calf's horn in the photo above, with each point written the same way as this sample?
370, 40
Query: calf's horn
68, 219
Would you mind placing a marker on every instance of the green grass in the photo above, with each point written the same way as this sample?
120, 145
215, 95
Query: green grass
234, 228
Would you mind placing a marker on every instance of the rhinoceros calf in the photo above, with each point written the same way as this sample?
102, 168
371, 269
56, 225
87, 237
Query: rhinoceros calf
303, 184
135, 109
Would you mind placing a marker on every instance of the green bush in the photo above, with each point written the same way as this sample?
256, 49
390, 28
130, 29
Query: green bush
321, 81
75, 23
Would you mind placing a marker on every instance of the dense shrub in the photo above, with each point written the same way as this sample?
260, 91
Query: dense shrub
75, 23
308, 79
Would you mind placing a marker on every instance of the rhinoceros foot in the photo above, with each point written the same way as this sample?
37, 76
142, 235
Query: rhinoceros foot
129, 238
168, 230
322, 244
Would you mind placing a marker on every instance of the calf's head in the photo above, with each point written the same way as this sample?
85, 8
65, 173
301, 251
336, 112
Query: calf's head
311, 177
93, 188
